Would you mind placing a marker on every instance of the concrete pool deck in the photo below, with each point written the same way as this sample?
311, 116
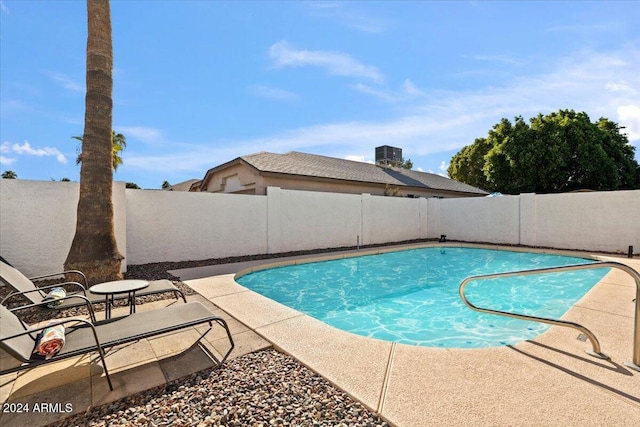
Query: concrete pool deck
549, 381
546, 381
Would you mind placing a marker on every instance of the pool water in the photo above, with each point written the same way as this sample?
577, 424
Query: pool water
412, 296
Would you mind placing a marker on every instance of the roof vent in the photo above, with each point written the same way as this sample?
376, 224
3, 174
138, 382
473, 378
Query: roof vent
386, 155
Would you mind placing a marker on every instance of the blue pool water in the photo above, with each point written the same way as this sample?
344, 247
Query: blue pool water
412, 296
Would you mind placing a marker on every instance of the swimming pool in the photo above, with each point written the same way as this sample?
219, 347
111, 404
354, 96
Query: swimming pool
411, 296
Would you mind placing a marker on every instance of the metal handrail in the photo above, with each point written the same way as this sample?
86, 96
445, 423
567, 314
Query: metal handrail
634, 363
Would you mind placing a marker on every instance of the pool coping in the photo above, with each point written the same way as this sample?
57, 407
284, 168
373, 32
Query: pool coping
412, 386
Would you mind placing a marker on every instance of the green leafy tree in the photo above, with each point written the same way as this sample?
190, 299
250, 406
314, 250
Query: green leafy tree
562, 151
616, 145
468, 164
404, 164
9, 174
132, 185
94, 249
118, 144
166, 185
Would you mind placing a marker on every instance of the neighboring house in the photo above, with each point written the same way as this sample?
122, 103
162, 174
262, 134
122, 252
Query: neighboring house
252, 174
182, 186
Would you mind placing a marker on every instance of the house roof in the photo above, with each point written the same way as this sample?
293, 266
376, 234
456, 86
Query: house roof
313, 165
182, 186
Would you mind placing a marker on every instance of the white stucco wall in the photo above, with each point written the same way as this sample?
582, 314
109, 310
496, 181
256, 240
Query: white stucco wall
184, 226
312, 220
477, 219
599, 221
391, 219
606, 221
528, 219
38, 222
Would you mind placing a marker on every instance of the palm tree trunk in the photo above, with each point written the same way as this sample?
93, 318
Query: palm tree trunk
94, 249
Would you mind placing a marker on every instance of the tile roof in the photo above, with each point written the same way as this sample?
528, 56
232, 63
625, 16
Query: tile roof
303, 164
182, 186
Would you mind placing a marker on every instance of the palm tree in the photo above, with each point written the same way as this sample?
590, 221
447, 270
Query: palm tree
94, 249
9, 175
118, 144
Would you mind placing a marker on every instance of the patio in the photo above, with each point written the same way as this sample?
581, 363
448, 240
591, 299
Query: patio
77, 384
547, 381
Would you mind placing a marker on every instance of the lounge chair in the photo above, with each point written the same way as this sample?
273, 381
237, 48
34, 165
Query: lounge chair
23, 286
81, 337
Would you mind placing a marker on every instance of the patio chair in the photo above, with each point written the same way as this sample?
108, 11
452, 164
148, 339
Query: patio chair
23, 286
19, 340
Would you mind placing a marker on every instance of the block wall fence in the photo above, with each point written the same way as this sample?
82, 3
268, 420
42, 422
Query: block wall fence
37, 222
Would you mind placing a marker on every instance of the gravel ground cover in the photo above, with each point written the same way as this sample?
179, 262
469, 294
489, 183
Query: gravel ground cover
265, 388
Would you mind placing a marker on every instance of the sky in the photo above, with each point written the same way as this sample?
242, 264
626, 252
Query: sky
199, 83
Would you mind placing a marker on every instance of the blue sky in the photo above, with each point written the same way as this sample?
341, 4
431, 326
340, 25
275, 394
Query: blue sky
199, 83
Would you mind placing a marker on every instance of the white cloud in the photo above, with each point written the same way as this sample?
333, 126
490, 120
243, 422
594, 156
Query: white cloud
346, 14
363, 24
143, 133
336, 63
13, 106
6, 160
6, 148
383, 94
27, 149
326, 4
584, 28
357, 158
67, 82
621, 86
195, 161
502, 59
410, 88
407, 92
355, 134
273, 93
629, 117
448, 120
442, 170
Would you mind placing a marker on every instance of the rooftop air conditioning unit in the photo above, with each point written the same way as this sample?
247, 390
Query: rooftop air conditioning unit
386, 155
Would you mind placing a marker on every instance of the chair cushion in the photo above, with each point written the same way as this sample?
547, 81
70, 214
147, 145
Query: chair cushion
19, 347
18, 281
